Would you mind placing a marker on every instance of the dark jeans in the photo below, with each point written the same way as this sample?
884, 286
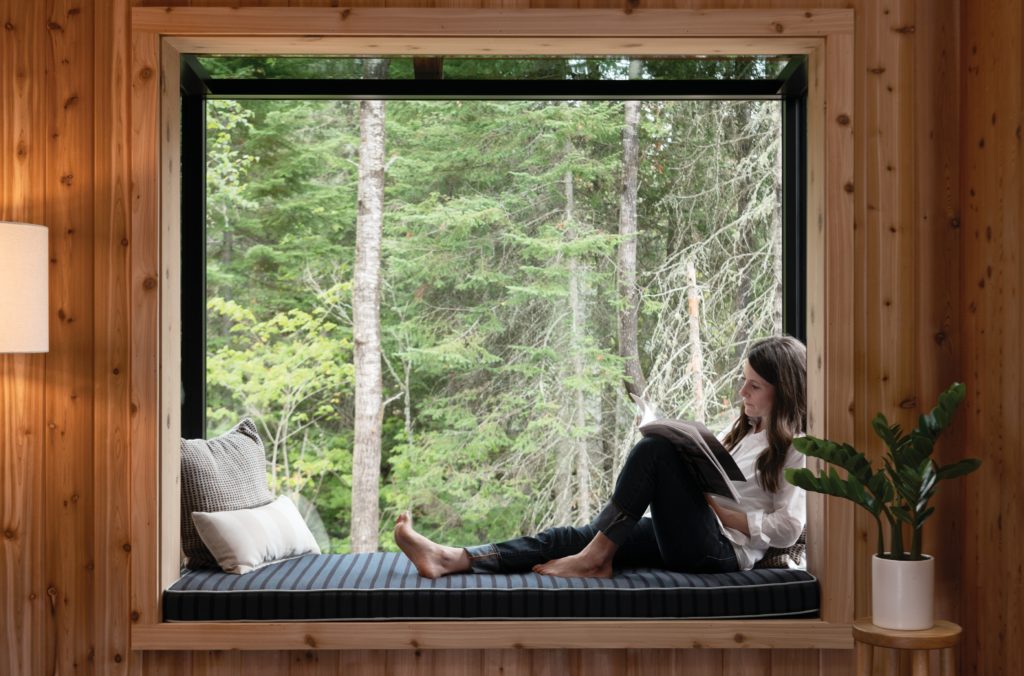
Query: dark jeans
682, 533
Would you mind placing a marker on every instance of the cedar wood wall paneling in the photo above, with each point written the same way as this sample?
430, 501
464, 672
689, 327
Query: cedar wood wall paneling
22, 378
68, 181
65, 417
991, 354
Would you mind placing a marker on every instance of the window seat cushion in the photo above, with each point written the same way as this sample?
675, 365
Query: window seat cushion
385, 586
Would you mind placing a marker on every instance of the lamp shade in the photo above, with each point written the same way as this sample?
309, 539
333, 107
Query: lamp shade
24, 288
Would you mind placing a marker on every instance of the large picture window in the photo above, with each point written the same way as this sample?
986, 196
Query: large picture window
514, 248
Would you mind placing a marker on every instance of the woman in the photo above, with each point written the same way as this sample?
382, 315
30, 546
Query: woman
687, 531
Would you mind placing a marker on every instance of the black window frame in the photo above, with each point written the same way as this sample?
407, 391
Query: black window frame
197, 86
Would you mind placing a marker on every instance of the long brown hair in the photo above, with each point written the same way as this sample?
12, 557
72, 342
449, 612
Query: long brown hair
782, 362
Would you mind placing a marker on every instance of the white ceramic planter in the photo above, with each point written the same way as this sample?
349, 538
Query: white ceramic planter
902, 593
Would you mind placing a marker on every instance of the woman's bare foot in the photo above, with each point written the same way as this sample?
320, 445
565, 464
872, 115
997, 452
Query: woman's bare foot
577, 565
431, 559
594, 561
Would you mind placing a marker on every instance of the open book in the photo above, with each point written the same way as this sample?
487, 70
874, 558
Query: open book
713, 466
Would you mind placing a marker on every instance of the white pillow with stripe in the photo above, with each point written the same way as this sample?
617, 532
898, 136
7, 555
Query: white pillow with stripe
243, 540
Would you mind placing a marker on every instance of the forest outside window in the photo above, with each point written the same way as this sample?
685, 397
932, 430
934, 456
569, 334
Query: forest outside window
550, 230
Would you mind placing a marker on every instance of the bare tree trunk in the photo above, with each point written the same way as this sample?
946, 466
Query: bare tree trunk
777, 227
578, 323
227, 243
696, 350
628, 293
578, 311
408, 403
366, 323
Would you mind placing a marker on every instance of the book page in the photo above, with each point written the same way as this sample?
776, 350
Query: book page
646, 411
714, 465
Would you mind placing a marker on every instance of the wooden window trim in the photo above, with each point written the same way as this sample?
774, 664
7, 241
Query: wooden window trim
160, 35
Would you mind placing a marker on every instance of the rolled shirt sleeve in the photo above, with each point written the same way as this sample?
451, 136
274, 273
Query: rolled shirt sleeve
782, 525
773, 519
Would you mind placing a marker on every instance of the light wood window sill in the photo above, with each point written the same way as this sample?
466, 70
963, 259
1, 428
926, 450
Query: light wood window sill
501, 634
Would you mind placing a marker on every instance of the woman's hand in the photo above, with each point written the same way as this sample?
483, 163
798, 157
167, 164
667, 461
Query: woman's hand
730, 518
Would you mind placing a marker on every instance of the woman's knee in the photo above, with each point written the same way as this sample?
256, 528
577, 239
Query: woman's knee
653, 449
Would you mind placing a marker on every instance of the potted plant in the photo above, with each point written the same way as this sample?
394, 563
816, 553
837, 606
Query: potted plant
902, 580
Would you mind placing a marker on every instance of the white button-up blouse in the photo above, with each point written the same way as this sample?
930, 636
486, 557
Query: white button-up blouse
774, 519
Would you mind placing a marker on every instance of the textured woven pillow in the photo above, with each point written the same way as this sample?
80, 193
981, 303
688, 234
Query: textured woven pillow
785, 557
225, 473
243, 540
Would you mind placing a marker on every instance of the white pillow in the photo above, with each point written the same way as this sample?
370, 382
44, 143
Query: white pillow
243, 540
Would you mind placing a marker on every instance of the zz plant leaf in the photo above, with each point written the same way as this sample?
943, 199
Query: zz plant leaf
900, 491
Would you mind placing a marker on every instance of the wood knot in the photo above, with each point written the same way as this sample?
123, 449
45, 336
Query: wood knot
71, 100
116, 372
843, 119
146, 73
117, 658
8, 26
149, 283
848, 187
345, 13
310, 641
954, 223
909, 402
134, 616
127, 547
779, 28
74, 11
905, 30
67, 179
808, 15
877, 70
54, 26
940, 337
738, 638
9, 534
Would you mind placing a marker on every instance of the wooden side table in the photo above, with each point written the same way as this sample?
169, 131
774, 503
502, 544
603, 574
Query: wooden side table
943, 636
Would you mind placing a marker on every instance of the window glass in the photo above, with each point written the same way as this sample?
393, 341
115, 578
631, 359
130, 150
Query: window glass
501, 293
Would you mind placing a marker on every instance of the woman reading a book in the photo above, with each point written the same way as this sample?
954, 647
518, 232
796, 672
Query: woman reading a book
688, 530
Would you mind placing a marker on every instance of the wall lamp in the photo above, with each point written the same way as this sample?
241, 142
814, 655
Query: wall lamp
24, 288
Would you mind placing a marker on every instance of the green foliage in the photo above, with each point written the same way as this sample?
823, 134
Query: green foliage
900, 492
496, 214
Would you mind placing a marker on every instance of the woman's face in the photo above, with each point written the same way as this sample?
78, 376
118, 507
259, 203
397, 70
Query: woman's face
757, 394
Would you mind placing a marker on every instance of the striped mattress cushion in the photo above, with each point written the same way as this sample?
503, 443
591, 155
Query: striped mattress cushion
385, 586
